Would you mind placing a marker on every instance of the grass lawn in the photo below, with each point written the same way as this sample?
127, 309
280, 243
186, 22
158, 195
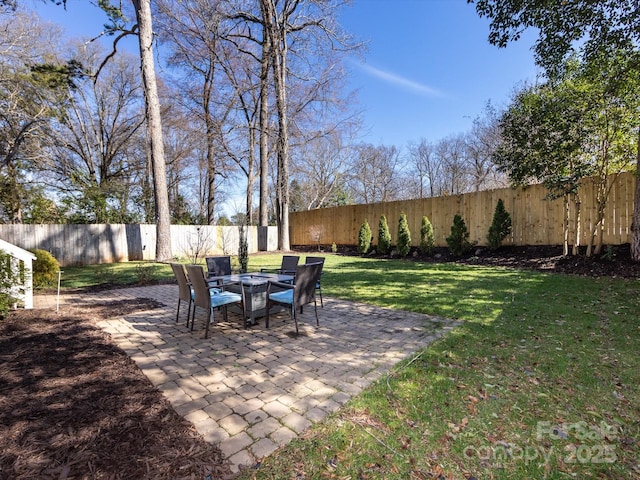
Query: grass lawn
541, 380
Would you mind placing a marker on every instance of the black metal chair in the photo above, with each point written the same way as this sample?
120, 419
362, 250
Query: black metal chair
185, 292
287, 266
211, 296
218, 266
302, 292
319, 278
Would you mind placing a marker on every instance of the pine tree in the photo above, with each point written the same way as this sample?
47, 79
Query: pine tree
500, 226
384, 236
458, 241
404, 236
364, 238
427, 239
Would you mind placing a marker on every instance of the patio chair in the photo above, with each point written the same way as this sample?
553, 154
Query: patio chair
218, 266
295, 296
287, 266
185, 292
319, 278
210, 297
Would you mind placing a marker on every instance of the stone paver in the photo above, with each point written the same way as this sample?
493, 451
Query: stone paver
253, 390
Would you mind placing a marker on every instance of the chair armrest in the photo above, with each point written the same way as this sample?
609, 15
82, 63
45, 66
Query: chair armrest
271, 284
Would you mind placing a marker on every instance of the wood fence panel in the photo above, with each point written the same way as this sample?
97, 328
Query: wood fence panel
100, 243
536, 219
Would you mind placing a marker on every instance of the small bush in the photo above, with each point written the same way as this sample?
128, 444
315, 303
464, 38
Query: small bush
45, 269
384, 237
500, 226
145, 273
458, 241
404, 236
364, 238
334, 248
427, 239
7, 281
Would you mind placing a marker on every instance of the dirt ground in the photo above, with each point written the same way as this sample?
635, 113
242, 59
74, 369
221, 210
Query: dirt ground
74, 406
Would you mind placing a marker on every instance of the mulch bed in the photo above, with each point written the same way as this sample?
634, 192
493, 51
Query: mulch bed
614, 262
74, 406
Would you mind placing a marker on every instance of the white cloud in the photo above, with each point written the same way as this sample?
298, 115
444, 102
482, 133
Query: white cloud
401, 81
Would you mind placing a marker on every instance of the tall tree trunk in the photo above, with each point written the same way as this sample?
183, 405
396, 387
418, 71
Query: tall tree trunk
263, 220
276, 30
251, 177
282, 190
154, 128
578, 223
565, 225
635, 224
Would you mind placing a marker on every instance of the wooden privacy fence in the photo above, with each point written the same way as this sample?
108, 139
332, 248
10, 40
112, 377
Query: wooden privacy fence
104, 243
536, 220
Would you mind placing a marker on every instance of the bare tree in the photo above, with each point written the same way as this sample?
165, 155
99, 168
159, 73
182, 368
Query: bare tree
154, 129
320, 169
374, 174
427, 166
29, 101
451, 153
96, 159
482, 141
192, 29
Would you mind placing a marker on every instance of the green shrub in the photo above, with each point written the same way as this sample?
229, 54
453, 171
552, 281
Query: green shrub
145, 273
458, 241
404, 236
364, 238
7, 280
427, 239
384, 237
500, 226
334, 248
45, 269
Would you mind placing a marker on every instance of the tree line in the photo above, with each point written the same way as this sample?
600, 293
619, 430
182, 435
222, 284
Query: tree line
250, 99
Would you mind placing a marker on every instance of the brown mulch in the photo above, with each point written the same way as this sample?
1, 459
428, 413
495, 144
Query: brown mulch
74, 406
614, 262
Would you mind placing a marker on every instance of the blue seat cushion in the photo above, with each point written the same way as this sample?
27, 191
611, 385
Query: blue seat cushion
219, 298
284, 296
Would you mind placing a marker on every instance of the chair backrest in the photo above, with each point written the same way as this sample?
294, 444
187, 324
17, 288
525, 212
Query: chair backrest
218, 266
319, 260
184, 290
289, 263
202, 298
305, 283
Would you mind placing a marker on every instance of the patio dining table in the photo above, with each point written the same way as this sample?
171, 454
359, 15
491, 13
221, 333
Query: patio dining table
255, 289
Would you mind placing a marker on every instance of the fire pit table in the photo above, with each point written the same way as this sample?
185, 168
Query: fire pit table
255, 290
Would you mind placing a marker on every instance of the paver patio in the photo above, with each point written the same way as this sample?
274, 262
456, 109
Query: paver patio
253, 390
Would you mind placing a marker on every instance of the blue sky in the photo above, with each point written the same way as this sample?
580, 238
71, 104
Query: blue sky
427, 73
429, 69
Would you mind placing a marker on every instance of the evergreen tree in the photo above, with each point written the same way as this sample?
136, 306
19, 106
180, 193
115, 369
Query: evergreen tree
384, 236
364, 238
458, 241
404, 236
500, 226
427, 239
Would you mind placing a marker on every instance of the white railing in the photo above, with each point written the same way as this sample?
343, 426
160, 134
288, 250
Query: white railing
21, 262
